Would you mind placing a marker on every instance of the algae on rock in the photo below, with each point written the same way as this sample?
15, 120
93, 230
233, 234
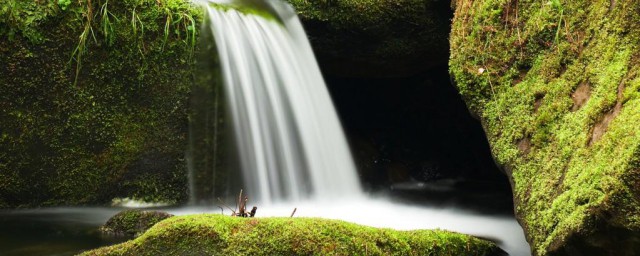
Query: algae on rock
133, 222
556, 86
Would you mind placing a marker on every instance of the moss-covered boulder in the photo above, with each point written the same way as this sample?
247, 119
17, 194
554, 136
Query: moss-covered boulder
133, 222
93, 100
209, 234
374, 38
557, 87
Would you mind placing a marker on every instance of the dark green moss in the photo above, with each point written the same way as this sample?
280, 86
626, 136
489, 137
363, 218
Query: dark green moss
376, 37
556, 86
217, 234
94, 100
133, 222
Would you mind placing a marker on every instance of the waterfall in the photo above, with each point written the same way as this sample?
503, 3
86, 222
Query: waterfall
289, 139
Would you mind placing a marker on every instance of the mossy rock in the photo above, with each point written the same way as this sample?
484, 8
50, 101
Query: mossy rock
133, 222
94, 99
212, 234
556, 85
376, 38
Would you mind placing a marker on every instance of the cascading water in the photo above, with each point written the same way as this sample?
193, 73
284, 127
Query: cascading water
291, 147
290, 141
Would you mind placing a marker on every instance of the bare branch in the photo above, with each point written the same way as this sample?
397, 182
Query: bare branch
225, 205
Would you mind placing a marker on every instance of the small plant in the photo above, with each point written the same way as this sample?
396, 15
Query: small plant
186, 22
556, 5
64, 4
167, 26
81, 48
106, 25
190, 26
134, 23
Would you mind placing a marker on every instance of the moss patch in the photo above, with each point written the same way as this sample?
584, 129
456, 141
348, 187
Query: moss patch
133, 222
518, 64
217, 234
94, 100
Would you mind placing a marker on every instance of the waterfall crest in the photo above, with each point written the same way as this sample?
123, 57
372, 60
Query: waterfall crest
290, 143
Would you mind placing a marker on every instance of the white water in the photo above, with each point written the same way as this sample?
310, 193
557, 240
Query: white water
292, 150
290, 141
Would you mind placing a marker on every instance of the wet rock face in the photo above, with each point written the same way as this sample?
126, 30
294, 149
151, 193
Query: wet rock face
387, 38
77, 125
133, 222
555, 85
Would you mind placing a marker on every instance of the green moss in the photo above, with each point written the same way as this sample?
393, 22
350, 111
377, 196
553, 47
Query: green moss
133, 222
94, 100
217, 234
25, 18
248, 8
519, 64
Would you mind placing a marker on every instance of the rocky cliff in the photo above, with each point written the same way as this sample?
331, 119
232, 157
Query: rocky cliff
557, 88
93, 100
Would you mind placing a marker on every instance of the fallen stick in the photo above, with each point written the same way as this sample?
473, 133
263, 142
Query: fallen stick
239, 203
233, 213
294, 212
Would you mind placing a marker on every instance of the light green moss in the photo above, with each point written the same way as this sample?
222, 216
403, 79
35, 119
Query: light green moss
518, 65
248, 8
217, 234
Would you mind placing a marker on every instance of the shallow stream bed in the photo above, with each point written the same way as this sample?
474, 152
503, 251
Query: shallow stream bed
68, 231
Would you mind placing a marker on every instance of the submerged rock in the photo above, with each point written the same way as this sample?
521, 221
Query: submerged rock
555, 85
209, 234
133, 222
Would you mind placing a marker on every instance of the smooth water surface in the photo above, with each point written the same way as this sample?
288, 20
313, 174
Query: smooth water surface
292, 151
54, 231
67, 231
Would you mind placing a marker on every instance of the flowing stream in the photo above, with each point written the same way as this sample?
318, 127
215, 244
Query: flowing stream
291, 147
290, 142
292, 150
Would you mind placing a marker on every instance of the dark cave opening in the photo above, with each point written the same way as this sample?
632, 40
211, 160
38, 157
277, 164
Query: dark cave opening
414, 138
